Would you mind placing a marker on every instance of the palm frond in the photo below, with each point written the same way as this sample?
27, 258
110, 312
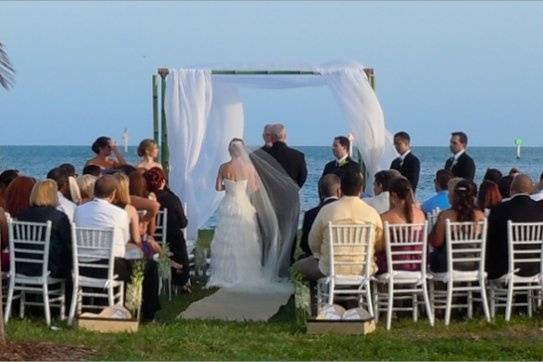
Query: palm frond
7, 73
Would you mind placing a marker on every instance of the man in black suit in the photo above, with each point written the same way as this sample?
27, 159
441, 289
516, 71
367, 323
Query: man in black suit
407, 163
329, 191
461, 164
519, 208
292, 161
343, 162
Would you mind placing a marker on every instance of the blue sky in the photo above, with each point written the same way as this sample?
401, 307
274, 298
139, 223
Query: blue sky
84, 69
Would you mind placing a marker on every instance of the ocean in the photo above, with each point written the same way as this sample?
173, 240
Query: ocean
36, 161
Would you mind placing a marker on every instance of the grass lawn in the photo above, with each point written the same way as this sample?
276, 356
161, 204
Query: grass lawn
281, 338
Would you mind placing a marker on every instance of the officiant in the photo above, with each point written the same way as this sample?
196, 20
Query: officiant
343, 162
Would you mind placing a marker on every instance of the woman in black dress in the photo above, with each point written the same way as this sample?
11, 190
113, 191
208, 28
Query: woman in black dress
156, 183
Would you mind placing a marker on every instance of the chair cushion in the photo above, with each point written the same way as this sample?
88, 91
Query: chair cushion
458, 275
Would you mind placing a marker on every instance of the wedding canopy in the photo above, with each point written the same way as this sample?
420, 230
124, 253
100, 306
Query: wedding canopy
203, 112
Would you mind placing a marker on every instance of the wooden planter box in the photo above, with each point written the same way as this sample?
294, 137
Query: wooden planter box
350, 327
108, 325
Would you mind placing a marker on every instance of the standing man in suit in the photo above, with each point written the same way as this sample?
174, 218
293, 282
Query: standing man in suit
292, 161
519, 208
461, 164
407, 163
343, 162
329, 191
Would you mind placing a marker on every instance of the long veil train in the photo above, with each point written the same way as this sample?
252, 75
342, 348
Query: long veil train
275, 197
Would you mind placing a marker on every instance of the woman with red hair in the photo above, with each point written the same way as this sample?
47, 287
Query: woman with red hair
18, 195
156, 183
489, 196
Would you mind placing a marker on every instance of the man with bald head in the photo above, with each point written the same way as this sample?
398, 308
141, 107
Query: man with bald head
518, 208
329, 191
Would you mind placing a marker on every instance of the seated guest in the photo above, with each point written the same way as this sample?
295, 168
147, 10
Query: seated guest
86, 187
64, 204
156, 182
514, 171
407, 163
4, 241
143, 200
349, 209
381, 183
104, 147
342, 163
519, 208
122, 200
126, 169
504, 184
462, 209
74, 193
329, 191
18, 195
492, 174
489, 196
538, 193
451, 186
403, 211
93, 170
5, 179
43, 203
100, 213
441, 198
148, 151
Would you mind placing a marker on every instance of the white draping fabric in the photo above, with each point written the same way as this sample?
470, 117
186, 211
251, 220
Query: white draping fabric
204, 112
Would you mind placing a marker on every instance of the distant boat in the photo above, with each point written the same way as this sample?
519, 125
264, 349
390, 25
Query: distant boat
518, 143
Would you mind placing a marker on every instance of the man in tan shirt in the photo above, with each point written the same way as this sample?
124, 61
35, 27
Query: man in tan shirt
349, 209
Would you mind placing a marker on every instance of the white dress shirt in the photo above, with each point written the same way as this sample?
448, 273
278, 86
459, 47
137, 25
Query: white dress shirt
99, 213
66, 206
538, 196
402, 157
381, 202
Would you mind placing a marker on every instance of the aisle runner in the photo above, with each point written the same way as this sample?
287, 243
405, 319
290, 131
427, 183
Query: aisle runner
237, 306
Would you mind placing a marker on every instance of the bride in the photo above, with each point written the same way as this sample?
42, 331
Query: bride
251, 242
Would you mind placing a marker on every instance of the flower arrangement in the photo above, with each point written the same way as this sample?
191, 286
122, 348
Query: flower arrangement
302, 299
134, 289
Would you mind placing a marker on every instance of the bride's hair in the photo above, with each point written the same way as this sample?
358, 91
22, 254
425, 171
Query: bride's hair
235, 146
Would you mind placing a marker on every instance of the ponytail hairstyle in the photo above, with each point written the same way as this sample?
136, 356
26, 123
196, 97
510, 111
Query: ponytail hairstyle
463, 202
401, 187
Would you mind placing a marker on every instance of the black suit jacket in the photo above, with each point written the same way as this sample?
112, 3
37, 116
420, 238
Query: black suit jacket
174, 235
465, 167
309, 217
333, 167
60, 247
292, 161
410, 168
520, 208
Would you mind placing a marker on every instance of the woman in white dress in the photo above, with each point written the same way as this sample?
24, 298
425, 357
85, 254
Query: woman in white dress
236, 249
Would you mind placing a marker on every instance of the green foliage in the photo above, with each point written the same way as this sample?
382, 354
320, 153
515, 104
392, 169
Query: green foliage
134, 289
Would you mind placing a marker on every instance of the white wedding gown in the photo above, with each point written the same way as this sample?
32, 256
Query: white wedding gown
236, 249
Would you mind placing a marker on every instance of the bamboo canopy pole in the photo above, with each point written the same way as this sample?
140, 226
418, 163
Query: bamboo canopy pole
155, 109
164, 150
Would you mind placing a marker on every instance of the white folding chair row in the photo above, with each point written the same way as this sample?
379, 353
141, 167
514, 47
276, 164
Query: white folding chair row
161, 235
466, 249
405, 249
524, 241
29, 246
93, 253
351, 261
